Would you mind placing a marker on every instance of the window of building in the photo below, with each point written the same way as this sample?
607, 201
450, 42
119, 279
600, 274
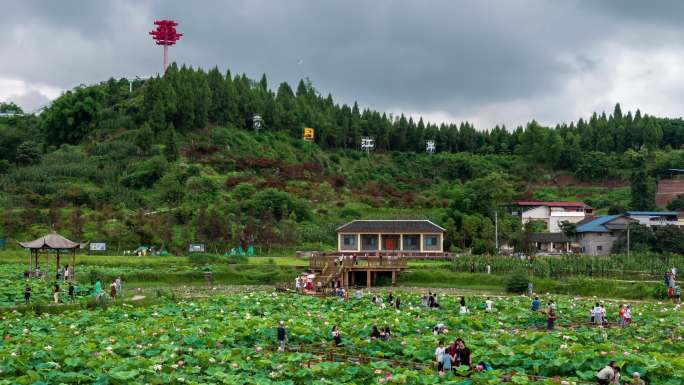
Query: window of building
369, 242
411, 242
599, 248
349, 240
431, 242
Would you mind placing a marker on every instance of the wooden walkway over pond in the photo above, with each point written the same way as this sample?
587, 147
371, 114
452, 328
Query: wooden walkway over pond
350, 271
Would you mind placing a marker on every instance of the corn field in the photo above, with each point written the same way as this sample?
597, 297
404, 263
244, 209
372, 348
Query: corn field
638, 266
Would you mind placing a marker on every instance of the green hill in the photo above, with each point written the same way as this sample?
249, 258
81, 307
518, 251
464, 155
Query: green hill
176, 161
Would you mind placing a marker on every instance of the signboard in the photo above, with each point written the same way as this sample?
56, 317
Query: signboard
197, 247
97, 246
430, 146
257, 122
309, 134
367, 144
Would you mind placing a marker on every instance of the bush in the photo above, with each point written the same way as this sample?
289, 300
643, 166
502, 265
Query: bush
660, 292
4, 166
27, 154
237, 259
517, 282
205, 258
94, 275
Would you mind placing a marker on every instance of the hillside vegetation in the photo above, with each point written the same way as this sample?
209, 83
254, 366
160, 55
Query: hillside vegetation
176, 160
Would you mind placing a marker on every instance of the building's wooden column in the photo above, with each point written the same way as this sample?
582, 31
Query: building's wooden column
352, 278
394, 278
379, 242
421, 243
368, 278
358, 243
401, 242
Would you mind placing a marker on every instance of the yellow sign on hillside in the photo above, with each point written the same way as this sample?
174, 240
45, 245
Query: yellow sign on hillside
308, 134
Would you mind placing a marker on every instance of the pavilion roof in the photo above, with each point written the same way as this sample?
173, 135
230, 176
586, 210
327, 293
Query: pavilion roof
51, 241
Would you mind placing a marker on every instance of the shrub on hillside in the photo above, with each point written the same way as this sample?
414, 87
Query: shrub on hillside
145, 173
27, 154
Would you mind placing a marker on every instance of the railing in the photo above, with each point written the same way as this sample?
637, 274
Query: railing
384, 253
322, 262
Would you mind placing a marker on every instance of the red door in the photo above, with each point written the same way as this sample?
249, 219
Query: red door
390, 244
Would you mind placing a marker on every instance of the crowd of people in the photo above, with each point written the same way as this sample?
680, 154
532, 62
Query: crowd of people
115, 288
305, 283
451, 357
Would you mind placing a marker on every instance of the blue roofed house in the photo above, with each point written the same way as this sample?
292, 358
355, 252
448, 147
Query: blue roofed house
596, 236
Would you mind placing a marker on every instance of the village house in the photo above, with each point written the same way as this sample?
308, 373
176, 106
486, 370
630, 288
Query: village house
597, 236
390, 236
654, 219
553, 213
550, 243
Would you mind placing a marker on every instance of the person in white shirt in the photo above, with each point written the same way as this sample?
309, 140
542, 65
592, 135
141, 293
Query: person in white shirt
463, 310
627, 316
597, 314
298, 284
439, 352
606, 375
439, 329
489, 304
674, 271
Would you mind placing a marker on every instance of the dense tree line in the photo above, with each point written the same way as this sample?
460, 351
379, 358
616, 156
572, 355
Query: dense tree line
186, 99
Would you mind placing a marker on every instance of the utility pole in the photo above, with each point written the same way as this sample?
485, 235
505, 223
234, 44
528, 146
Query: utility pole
628, 240
496, 230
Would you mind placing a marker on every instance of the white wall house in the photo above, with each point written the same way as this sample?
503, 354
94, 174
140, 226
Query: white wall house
553, 213
558, 217
654, 218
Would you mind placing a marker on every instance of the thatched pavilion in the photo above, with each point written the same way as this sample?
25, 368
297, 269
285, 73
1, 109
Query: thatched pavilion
52, 242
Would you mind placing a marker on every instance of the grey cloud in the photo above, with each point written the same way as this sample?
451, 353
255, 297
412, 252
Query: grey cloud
30, 101
452, 56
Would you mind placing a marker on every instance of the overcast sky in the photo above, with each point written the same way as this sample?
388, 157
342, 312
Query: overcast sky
488, 62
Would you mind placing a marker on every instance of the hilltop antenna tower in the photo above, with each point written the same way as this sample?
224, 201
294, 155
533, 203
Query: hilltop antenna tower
166, 35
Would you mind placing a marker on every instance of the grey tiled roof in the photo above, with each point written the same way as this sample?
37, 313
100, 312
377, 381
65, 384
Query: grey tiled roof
390, 226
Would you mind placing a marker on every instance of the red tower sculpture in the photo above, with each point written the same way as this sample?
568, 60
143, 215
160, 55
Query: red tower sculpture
166, 35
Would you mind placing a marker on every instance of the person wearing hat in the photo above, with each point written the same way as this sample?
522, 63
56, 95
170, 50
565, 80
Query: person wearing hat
636, 379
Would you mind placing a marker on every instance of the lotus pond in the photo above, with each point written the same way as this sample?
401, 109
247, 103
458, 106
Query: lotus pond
230, 339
